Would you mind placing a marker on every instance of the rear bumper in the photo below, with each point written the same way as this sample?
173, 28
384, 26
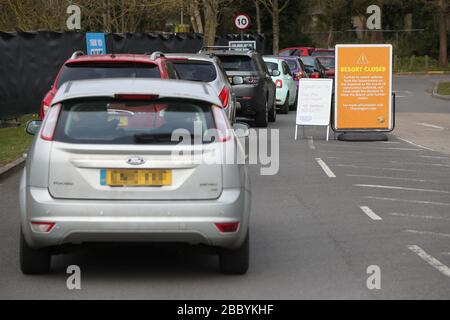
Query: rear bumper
81, 221
251, 98
281, 95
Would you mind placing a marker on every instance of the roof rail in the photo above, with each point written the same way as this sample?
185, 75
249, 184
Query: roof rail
77, 54
155, 55
205, 48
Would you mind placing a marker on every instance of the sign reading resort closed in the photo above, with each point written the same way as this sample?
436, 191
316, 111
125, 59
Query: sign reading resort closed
363, 88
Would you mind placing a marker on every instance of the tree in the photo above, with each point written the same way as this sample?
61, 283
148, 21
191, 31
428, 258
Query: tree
274, 9
258, 15
443, 58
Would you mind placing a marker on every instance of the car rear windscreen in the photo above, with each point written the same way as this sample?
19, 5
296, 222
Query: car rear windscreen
195, 70
309, 62
81, 71
271, 66
133, 122
327, 62
237, 63
292, 65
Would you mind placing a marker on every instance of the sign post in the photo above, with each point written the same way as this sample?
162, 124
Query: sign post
314, 104
95, 43
363, 88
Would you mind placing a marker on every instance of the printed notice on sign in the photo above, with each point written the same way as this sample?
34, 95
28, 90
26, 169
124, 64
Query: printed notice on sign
314, 102
363, 87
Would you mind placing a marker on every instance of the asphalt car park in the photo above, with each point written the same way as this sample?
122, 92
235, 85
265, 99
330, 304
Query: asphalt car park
333, 210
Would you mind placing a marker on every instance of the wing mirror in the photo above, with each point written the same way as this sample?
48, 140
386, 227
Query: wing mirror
33, 127
275, 73
241, 129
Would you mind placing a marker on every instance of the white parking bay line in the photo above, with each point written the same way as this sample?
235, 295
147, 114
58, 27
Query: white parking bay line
406, 215
442, 268
372, 215
429, 125
325, 168
374, 168
311, 143
415, 144
390, 178
410, 201
429, 233
400, 188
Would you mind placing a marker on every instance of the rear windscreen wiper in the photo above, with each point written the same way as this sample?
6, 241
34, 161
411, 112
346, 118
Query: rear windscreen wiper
152, 137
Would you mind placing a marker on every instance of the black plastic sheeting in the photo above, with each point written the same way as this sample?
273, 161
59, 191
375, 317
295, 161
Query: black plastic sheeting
30, 61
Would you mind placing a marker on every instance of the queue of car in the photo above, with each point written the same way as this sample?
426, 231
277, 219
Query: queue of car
104, 165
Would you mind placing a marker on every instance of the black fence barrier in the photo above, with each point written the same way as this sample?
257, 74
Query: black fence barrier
30, 61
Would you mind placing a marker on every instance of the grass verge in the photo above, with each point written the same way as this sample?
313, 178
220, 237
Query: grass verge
443, 88
14, 141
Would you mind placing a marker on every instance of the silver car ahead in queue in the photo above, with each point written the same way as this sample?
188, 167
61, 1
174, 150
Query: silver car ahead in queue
104, 167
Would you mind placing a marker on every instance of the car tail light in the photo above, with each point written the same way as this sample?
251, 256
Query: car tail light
42, 227
50, 121
315, 75
222, 124
45, 108
224, 96
137, 96
279, 84
298, 76
227, 226
251, 80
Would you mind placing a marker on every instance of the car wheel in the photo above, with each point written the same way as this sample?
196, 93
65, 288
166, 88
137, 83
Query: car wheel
273, 112
262, 117
33, 261
285, 107
236, 261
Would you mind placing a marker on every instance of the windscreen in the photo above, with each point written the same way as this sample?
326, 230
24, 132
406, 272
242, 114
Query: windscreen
195, 70
132, 122
82, 71
237, 63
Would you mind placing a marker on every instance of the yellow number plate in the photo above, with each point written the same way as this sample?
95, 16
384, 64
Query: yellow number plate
138, 178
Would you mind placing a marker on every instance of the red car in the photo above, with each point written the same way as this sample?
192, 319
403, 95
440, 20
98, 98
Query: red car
328, 63
82, 67
296, 51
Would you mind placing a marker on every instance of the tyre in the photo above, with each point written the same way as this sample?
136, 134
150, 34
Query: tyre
273, 112
33, 261
262, 117
236, 261
285, 107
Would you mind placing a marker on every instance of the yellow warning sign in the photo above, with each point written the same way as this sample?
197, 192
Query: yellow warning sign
363, 88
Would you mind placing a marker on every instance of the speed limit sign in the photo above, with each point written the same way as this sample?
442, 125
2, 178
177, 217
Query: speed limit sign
242, 21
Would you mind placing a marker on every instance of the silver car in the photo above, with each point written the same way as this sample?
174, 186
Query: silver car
135, 160
209, 69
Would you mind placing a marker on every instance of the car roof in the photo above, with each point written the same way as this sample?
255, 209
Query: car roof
272, 58
122, 57
110, 87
